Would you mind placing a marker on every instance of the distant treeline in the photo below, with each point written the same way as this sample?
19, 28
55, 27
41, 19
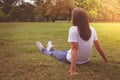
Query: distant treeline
52, 10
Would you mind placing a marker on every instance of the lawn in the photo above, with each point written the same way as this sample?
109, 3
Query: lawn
21, 60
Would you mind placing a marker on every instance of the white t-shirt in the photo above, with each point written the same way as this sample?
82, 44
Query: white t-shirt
85, 47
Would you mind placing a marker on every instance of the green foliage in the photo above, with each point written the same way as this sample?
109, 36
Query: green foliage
2, 15
1, 12
52, 10
99, 10
93, 15
38, 2
8, 4
23, 12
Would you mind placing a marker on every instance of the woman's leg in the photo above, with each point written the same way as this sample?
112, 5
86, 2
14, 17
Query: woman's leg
58, 54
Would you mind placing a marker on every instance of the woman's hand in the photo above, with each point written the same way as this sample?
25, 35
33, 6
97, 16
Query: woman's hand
107, 62
73, 71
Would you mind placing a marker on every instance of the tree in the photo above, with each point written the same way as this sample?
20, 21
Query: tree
1, 14
93, 15
66, 8
38, 2
40, 11
23, 12
51, 9
92, 6
8, 4
113, 9
118, 10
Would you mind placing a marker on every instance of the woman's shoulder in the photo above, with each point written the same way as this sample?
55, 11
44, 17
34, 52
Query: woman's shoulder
73, 28
93, 29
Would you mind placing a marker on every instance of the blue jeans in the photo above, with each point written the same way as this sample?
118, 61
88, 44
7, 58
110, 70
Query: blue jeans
58, 54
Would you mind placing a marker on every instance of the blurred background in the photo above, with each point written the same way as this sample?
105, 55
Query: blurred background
57, 10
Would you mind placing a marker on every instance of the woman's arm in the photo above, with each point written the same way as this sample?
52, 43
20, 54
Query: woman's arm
100, 50
73, 60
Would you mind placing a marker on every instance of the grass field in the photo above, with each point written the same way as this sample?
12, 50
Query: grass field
21, 60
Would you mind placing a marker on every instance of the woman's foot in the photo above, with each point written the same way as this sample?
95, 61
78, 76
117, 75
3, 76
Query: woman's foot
49, 45
39, 45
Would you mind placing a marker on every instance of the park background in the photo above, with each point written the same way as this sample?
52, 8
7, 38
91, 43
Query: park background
52, 10
23, 23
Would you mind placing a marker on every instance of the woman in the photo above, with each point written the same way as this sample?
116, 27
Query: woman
82, 37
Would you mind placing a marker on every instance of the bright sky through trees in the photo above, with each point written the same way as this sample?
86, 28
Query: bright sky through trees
30, 1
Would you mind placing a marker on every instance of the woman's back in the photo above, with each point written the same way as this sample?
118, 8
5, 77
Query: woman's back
84, 47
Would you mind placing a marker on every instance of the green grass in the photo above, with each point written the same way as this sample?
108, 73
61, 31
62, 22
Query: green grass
21, 60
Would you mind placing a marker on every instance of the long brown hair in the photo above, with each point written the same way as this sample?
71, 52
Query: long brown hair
80, 19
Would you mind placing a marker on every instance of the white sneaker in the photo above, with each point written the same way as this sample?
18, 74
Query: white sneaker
39, 45
49, 45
